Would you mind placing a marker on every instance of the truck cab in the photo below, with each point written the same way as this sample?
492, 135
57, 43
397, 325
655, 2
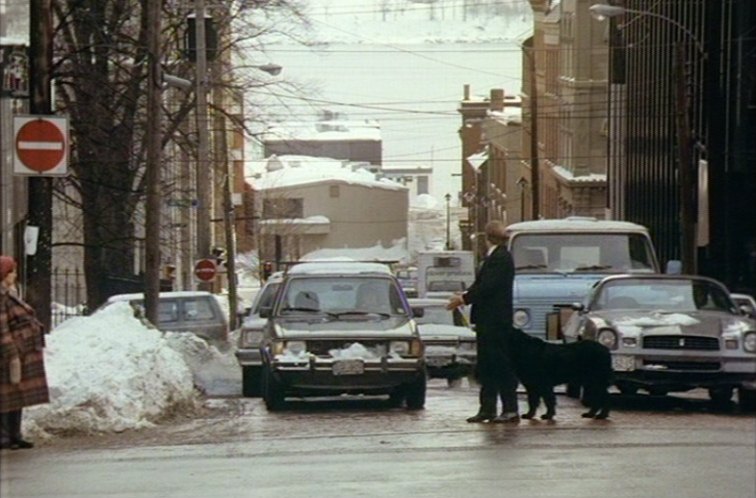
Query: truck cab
557, 261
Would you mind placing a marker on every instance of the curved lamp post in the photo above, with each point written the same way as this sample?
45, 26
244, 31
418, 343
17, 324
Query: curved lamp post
229, 221
685, 141
448, 226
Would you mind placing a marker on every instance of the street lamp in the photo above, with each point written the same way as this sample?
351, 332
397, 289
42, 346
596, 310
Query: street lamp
448, 226
685, 141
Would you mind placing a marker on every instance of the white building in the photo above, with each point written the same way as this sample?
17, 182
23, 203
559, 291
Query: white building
307, 204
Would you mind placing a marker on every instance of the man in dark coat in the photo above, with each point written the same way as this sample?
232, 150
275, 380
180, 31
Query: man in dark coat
22, 372
491, 299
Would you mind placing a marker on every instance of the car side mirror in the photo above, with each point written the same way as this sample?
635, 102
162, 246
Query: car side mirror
674, 267
265, 311
747, 310
577, 307
418, 312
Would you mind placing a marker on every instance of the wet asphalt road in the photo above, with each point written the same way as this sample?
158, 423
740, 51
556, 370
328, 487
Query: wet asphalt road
651, 447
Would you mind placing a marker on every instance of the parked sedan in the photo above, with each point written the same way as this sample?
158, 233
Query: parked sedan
670, 333
449, 342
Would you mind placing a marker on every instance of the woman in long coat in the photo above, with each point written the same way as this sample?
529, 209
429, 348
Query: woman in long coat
22, 371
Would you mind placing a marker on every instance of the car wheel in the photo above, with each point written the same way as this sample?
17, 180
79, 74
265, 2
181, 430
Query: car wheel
272, 391
415, 394
454, 382
574, 391
627, 389
720, 396
251, 382
396, 396
747, 399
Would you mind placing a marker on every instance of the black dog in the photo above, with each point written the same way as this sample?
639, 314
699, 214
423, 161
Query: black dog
541, 365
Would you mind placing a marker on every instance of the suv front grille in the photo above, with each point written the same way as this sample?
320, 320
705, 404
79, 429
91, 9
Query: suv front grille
686, 342
322, 347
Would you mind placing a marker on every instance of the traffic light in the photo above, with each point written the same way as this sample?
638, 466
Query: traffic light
267, 270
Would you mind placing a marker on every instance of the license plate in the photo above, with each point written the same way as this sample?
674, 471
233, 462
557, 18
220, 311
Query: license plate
438, 361
623, 362
348, 367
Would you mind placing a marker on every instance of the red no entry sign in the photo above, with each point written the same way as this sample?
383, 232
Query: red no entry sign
41, 145
205, 270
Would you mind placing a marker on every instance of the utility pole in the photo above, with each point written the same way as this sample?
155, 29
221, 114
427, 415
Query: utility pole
153, 166
204, 171
39, 266
685, 164
535, 174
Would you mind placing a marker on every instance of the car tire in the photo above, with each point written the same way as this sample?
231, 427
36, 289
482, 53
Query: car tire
415, 394
720, 396
396, 397
272, 391
747, 399
574, 390
454, 382
627, 389
251, 382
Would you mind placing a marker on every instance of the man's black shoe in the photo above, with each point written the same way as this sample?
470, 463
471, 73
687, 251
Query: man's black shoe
481, 417
20, 444
506, 419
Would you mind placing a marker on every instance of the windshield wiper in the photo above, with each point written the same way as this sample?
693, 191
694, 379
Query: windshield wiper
360, 313
592, 268
530, 267
297, 308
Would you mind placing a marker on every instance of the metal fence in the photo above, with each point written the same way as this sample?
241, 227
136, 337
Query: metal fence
69, 295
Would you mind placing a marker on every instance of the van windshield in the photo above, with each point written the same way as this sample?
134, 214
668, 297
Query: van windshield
582, 253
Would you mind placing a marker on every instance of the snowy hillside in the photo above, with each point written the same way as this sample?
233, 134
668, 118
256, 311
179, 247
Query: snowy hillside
404, 21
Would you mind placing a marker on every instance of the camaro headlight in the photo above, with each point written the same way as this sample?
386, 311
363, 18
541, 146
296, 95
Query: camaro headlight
749, 342
608, 338
251, 338
521, 318
296, 347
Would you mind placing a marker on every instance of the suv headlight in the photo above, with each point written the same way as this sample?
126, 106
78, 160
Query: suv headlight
401, 348
467, 346
749, 342
608, 338
521, 318
251, 338
296, 347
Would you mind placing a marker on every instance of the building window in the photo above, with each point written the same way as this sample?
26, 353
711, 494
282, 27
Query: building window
422, 185
333, 190
283, 208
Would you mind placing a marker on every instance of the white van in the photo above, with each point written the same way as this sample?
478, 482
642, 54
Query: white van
557, 262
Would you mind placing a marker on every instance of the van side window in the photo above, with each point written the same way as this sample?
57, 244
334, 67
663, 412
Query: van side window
197, 309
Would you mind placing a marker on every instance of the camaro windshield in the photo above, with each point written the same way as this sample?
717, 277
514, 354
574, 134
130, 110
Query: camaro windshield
667, 295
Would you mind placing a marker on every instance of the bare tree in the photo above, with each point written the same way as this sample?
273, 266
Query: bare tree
101, 68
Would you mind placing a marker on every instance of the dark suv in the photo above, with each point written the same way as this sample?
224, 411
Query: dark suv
341, 327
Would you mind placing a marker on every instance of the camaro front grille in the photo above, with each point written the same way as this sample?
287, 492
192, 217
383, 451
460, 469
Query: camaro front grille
706, 366
686, 342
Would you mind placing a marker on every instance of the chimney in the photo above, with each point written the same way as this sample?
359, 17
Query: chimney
497, 99
466, 95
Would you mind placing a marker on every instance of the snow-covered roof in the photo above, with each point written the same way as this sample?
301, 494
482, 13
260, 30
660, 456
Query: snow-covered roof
292, 170
576, 224
323, 130
342, 267
568, 175
510, 114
